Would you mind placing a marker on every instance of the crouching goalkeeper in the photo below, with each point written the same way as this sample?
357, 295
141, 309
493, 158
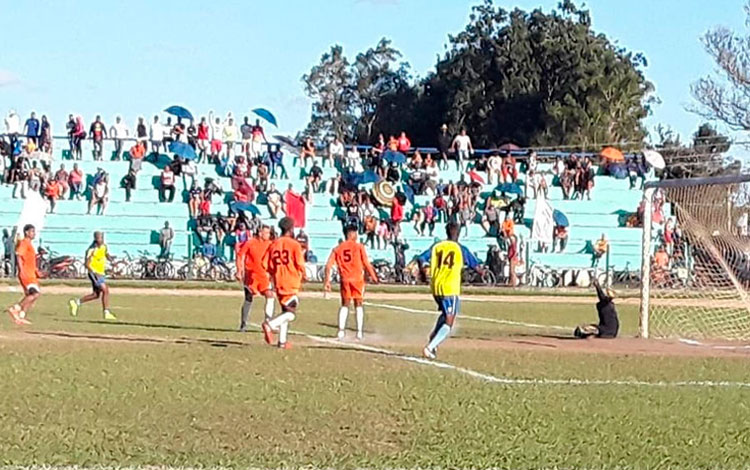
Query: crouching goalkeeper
609, 324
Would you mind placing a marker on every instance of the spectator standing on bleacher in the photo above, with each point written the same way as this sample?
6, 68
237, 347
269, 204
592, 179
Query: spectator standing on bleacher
157, 134
70, 128
45, 135
167, 184
99, 192
141, 133
258, 138
353, 160
128, 183
98, 131
31, 129
462, 147
335, 153
166, 235
403, 143
203, 139
445, 143
276, 159
79, 133
62, 179
137, 154
75, 180
119, 132
246, 132
397, 214
273, 197
52, 192
308, 151
229, 134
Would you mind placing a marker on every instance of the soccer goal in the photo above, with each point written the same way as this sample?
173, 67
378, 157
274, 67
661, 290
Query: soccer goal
695, 266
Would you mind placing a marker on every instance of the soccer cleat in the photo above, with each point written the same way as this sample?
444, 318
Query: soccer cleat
73, 307
267, 332
340, 335
108, 315
360, 336
17, 315
426, 352
286, 345
243, 329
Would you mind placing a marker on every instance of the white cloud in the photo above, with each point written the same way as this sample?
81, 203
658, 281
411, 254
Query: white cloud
8, 78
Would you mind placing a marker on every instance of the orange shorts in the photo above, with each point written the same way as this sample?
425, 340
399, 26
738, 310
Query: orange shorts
288, 299
29, 284
257, 284
352, 290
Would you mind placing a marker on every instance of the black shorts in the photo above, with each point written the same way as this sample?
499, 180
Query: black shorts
97, 282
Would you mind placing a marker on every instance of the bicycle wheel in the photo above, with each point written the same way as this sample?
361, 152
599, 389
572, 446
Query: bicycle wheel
488, 278
135, 270
164, 270
551, 279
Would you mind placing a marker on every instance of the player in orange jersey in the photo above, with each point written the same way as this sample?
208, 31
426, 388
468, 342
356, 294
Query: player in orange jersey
285, 264
27, 276
351, 258
252, 274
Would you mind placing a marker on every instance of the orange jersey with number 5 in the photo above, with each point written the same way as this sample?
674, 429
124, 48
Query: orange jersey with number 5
284, 262
351, 258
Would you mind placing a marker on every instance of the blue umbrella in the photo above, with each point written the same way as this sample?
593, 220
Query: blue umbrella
266, 114
355, 179
409, 193
394, 157
509, 188
179, 112
560, 218
182, 150
244, 207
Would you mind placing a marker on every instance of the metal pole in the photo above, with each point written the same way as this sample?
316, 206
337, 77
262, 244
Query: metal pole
643, 330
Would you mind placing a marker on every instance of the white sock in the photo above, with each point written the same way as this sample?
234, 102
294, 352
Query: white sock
360, 318
284, 326
269, 308
343, 314
283, 318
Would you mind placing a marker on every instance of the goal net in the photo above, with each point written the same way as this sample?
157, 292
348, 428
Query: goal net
696, 260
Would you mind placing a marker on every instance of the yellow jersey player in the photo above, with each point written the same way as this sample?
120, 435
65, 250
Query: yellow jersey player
97, 256
447, 260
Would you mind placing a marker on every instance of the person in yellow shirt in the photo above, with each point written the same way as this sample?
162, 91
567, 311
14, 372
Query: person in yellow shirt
447, 260
97, 256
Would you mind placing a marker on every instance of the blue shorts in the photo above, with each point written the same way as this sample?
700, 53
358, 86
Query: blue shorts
448, 304
97, 281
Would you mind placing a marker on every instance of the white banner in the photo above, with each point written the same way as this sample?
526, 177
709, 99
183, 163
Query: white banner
33, 212
543, 226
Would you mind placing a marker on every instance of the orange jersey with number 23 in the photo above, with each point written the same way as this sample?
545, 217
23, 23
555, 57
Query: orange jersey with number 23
285, 264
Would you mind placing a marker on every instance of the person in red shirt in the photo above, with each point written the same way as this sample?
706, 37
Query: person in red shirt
404, 144
252, 275
284, 262
397, 214
27, 277
351, 259
202, 136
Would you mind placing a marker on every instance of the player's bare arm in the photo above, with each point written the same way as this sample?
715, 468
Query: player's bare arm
329, 264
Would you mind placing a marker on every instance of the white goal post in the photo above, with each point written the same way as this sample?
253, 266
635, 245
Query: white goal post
695, 263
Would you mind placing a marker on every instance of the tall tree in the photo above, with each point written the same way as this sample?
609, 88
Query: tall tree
725, 96
329, 84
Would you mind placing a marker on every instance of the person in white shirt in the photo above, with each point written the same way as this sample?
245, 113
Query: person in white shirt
157, 135
462, 147
335, 152
119, 131
494, 168
217, 132
189, 170
432, 174
229, 136
353, 159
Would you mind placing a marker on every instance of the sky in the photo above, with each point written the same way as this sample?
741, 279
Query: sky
138, 57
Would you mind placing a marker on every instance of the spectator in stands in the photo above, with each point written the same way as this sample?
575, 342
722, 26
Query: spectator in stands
417, 177
513, 260
20, 176
403, 144
75, 181
128, 183
425, 219
393, 174
229, 133
335, 155
668, 235
660, 265
314, 177
276, 161
432, 175
370, 217
79, 133
192, 135
167, 184
167, 129
462, 147
195, 196
508, 229
35, 177
567, 179
246, 133
217, 131
203, 140
584, 179
494, 169
537, 184
70, 128
157, 134
353, 160
397, 213
45, 135
466, 214
119, 132
600, 249
508, 171
491, 220
558, 168
189, 171
97, 132
274, 201
99, 193
52, 193
445, 143
308, 152
137, 154
141, 133
31, 129
560, 237
166, 235
62, 179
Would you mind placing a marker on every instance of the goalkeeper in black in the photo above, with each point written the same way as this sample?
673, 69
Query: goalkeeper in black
609, 324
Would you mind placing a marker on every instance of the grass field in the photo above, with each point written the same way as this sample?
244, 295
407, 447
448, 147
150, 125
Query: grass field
173, 383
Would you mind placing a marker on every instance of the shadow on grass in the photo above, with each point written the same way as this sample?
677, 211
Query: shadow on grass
151, 325
221, 343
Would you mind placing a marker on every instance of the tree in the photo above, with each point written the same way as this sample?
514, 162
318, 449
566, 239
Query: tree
536, 78
705, 156
725, 96
329, 84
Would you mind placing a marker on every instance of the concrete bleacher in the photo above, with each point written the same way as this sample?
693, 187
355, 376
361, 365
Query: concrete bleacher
131, 226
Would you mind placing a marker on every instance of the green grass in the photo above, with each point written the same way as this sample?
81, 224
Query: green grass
176, 385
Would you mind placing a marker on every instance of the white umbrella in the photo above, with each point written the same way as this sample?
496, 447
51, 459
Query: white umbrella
654, 159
